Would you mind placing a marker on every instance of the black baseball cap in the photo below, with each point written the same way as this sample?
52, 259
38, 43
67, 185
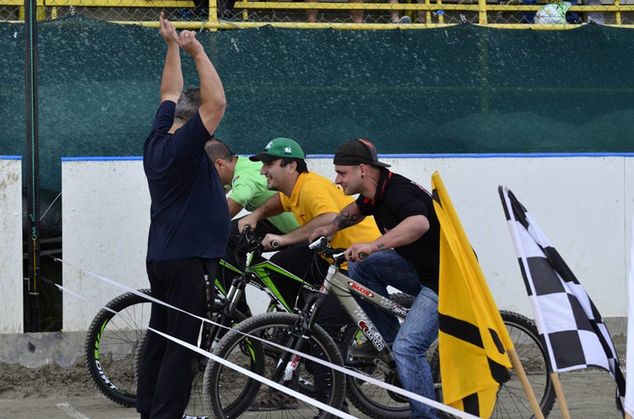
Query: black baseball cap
357, 151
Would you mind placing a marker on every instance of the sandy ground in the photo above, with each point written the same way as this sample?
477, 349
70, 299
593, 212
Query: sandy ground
50, 381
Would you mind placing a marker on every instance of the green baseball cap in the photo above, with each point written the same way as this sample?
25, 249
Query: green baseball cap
278, 148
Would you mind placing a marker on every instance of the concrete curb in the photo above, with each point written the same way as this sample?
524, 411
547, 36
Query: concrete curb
34, 350
65, 349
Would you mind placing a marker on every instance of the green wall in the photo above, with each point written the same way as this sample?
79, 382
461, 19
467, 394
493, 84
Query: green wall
463, 89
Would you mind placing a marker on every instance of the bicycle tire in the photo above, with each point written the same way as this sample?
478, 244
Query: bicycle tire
112, 343
511, 399
231, 393
373, 401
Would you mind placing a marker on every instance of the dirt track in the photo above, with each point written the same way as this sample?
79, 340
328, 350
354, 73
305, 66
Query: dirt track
50, 381
57, 393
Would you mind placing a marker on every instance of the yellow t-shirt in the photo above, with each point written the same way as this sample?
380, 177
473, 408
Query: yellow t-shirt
314, 195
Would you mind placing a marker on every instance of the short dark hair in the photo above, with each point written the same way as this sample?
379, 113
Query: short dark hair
301, 164
187, 105
217, 149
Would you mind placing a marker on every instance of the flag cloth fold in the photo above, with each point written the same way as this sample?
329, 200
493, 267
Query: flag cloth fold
472, 339
569, 324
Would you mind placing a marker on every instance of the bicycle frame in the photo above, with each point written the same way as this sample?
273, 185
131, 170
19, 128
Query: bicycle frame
343, 287
259, 276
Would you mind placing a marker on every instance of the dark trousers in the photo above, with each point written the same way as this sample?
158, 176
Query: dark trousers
166, 369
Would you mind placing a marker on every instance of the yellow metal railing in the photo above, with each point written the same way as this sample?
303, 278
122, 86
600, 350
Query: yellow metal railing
434, 11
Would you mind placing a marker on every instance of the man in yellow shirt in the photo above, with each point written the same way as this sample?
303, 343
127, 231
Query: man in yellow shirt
315, 201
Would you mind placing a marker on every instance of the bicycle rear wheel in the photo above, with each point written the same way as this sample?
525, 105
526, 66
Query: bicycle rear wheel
511, 399
113, 340
114, 344
231, 393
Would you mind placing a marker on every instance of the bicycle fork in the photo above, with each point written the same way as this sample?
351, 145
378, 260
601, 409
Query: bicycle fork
288, 363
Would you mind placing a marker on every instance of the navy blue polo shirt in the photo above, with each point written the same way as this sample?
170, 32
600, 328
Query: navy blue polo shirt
189, 212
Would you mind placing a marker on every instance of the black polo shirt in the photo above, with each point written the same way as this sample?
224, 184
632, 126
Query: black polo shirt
397, 198
189, 212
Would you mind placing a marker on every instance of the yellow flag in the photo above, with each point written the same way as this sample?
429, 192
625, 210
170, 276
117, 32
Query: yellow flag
473, 341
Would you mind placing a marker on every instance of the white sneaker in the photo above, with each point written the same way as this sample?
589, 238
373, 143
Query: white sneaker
404, 20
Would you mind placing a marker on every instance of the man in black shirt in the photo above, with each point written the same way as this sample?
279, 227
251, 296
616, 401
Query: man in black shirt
189, 222
405, 257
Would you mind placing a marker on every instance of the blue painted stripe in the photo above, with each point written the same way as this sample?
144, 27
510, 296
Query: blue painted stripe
102, 158
10, 157
392, 156
484, 155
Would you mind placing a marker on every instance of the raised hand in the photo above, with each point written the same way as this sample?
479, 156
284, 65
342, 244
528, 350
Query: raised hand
187, 40
167, 30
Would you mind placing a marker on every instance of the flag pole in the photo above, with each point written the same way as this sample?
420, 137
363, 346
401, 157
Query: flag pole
559, 391
521, 374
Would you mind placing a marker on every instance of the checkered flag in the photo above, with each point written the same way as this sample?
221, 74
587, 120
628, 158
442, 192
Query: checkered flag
569, 324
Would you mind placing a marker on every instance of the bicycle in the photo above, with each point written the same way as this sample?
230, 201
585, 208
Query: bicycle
116, 335
230, 394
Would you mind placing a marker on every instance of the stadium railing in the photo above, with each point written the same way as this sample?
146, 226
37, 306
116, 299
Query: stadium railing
212, 14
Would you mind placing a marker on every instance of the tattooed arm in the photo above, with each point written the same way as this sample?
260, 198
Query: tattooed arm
348, 216
405, 232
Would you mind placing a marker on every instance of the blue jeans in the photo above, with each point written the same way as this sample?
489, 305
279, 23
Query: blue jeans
416, 334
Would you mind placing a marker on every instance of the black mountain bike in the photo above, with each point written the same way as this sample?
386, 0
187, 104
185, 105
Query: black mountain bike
116, 336
230, 394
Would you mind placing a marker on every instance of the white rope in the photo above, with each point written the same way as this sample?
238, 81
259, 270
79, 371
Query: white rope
339, 368
258, 377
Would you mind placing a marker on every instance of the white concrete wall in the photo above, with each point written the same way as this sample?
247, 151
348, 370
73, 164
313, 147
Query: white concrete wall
106, 214
584, 205
11, 276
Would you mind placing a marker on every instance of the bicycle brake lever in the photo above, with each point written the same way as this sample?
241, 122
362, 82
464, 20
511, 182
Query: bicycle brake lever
339, 257
319, 244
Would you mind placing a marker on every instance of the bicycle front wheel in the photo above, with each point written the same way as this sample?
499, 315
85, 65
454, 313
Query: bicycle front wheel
231, 393
372, 400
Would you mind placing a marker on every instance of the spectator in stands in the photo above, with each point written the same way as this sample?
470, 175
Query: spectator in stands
357, 15
189, 222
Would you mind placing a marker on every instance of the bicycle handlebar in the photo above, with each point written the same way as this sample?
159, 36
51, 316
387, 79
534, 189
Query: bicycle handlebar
322, 246
249, 241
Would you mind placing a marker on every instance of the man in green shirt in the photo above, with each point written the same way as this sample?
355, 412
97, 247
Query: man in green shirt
246, 187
